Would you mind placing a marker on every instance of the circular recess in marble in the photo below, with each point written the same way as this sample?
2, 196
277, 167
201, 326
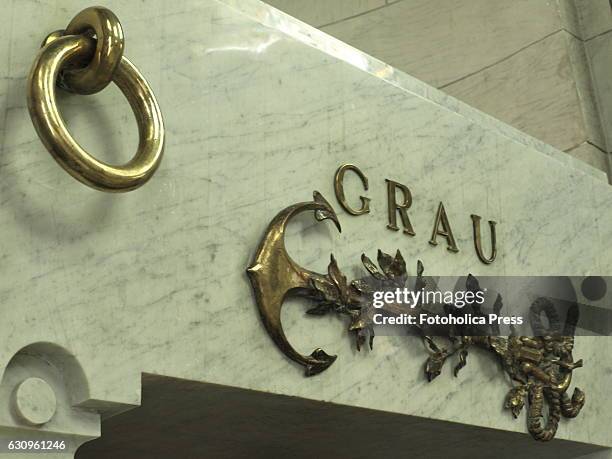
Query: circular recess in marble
594, 288
35, 401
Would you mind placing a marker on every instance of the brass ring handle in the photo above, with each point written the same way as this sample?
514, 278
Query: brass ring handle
68, 52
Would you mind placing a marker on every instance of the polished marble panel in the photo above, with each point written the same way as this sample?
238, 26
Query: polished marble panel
261, 109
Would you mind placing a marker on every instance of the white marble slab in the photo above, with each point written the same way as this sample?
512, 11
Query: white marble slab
520, 61
261, 109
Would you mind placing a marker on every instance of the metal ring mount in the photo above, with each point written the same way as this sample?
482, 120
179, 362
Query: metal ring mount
102, 57
102, 23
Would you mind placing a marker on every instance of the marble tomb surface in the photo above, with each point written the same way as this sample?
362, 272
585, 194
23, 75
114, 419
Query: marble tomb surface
260, 110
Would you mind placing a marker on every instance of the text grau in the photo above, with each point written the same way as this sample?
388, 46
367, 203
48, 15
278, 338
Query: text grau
399, 201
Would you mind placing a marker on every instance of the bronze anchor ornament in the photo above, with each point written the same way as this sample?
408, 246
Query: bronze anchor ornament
274, 276
540, 367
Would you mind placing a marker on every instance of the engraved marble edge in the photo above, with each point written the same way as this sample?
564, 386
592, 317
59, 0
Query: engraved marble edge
271, 17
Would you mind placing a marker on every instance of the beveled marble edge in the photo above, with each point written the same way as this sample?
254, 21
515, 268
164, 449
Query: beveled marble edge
271, 17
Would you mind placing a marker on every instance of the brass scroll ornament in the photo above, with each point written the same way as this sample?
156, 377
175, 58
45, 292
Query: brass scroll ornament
539, 367
77, 62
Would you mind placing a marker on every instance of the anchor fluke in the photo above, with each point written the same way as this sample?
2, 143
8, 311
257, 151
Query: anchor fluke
322, 362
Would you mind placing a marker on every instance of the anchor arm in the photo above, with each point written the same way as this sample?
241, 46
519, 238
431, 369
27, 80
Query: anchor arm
275, 276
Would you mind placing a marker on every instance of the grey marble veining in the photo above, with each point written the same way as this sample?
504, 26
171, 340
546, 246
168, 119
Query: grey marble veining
521, 62
260, 110
338, 49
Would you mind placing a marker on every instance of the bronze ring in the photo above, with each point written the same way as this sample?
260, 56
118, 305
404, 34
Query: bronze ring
64, 51
109, 49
